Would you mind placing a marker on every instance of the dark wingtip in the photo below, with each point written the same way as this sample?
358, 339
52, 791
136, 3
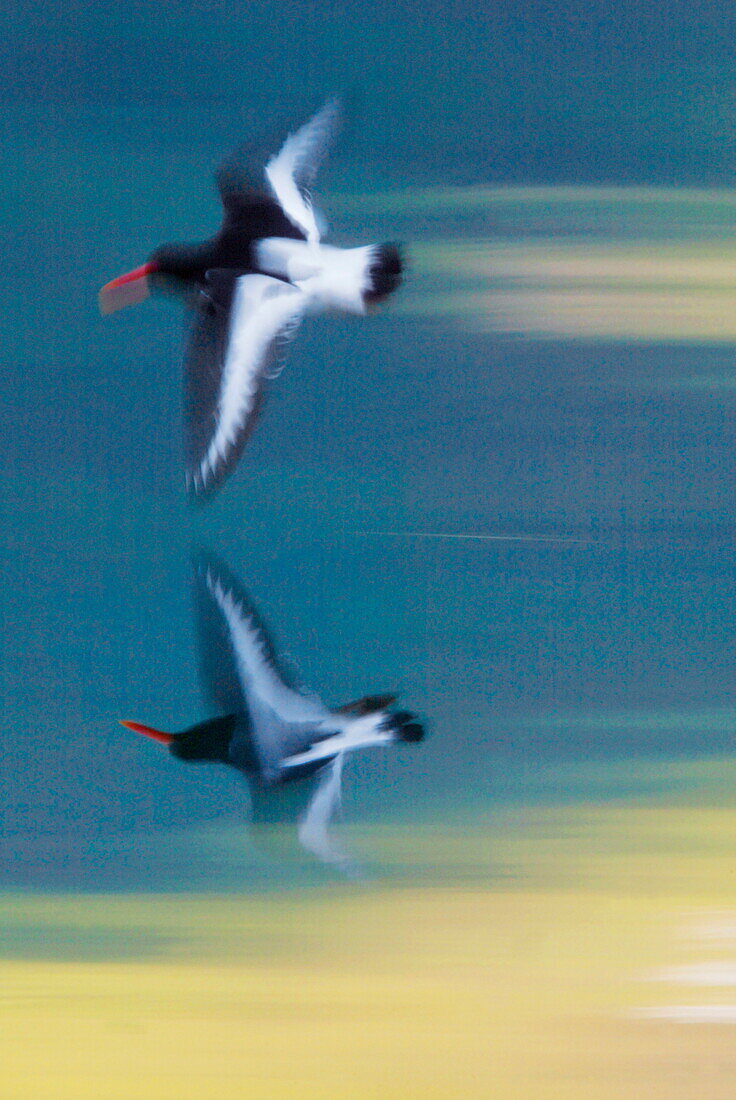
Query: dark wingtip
368, 704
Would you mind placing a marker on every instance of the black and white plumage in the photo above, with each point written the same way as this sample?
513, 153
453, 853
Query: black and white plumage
266, 729
250, 286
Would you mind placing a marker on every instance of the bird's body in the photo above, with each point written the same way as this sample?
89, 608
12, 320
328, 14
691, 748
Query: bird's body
250, 285
267, 730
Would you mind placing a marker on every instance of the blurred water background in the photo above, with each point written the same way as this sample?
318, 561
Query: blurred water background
508, 496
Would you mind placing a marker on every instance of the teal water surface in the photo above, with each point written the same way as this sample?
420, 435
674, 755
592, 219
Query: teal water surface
531, 540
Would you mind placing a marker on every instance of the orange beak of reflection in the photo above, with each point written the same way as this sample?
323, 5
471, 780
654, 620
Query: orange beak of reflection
126, 290
149, 731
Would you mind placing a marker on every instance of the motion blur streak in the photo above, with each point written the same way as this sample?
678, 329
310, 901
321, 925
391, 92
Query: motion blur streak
608, 263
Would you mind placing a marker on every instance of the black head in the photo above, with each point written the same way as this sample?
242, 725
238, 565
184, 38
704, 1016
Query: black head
207, 741
183, 262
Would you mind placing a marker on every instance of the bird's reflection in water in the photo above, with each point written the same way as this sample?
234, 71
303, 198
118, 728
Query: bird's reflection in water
272, 733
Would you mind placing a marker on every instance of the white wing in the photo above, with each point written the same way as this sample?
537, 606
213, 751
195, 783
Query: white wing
313, 828
292, 170
256, 670
259, 311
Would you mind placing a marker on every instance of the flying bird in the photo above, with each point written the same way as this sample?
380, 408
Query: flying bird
266, 729
250, 285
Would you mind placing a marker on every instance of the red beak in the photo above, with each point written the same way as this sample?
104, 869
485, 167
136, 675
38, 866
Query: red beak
148, 731
127, 289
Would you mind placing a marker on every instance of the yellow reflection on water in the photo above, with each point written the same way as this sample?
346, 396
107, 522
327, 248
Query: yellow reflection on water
548, 951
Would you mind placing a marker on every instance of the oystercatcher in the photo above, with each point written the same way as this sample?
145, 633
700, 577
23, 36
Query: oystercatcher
250, 285
267, 730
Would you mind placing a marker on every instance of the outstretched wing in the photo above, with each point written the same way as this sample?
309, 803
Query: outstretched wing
239, 178
239, 321
251, 211
291, 172
218, 671
282, 721
313, 829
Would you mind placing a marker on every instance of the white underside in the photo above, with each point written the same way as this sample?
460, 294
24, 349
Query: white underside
357, 733
331, 278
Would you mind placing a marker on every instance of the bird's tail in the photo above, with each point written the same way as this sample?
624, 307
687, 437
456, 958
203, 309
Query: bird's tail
384, 273
404, 726
345, 279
